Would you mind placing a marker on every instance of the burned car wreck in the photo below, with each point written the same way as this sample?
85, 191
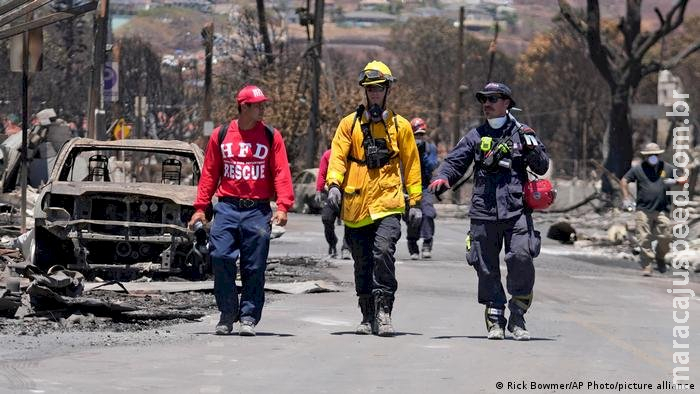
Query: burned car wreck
114, 205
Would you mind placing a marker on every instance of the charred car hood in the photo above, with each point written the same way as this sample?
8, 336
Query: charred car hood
179, 194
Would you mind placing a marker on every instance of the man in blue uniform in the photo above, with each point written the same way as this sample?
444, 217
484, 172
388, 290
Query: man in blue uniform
428, 163
502, 150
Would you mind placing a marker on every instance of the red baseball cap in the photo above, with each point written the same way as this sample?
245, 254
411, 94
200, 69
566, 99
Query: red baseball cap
250, 94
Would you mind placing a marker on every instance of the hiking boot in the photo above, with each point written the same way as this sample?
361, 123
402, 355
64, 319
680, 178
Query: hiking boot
495, 323
415, 256
366, 305
247, 329
516, 325
646, 271
225, 324
382, 318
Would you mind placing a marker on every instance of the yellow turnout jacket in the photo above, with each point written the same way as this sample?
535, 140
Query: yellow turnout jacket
369, 195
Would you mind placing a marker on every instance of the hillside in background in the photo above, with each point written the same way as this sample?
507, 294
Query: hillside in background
171, 30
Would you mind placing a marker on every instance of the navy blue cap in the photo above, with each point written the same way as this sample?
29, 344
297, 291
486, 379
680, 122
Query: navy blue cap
493, 88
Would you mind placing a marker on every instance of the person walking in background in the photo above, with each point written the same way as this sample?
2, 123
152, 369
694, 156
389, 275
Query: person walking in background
428, 163
329, 214
653, 177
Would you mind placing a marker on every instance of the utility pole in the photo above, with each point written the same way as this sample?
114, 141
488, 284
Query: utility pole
25, 126
208, 38
492, 51
458, 105
312, 143
262, 24
95, 98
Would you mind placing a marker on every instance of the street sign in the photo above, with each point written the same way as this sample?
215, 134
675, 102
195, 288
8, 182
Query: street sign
122, 130
36, 42
111, 82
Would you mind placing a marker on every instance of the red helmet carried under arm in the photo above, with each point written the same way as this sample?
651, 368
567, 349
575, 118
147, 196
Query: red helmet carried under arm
539, 194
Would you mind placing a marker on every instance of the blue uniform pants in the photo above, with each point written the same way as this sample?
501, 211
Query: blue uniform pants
245, 233
372, 249
426, 230
522, 244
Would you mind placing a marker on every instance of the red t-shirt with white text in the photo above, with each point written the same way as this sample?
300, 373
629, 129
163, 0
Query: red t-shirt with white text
245, 166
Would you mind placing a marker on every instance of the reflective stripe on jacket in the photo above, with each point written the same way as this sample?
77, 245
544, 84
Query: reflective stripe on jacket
371, 194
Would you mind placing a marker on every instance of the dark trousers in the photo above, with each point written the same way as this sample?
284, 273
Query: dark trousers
426, 229
328, 217
373, 247
522, 244
245, 233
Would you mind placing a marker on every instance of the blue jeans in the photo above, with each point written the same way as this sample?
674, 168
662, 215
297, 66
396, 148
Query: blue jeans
245, 233
426, 229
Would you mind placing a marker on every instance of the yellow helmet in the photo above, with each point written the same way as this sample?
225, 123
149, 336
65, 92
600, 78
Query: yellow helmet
375, 72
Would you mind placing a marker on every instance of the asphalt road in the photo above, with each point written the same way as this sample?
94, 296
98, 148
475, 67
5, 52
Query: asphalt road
592, 322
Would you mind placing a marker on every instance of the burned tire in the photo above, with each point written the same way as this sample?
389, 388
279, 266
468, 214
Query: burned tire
47, 250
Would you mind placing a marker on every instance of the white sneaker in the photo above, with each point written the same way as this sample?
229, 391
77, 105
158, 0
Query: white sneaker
247, 329
415, 256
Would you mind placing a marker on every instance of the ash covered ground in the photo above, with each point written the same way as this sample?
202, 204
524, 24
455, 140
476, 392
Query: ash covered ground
278, 271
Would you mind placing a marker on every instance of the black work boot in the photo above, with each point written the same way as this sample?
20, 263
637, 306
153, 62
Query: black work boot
516, 325
495, 323
367, 308
383, 305
427, 248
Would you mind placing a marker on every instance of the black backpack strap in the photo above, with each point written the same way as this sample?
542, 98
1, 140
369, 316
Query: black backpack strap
358, 115
270, 131
223, 130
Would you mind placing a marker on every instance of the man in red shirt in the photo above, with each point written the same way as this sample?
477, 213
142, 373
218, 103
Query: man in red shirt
245, 170
328, 213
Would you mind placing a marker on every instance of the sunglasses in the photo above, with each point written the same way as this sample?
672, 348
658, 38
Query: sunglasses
490, 99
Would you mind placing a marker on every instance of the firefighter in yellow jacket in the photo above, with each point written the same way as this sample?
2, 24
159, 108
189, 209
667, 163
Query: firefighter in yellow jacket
374, 160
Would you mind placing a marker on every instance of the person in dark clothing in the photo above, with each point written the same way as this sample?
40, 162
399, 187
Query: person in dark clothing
653, 178
502, 150
328, 213
428, 163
